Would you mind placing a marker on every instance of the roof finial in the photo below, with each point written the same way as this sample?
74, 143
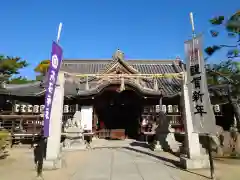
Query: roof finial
118, 55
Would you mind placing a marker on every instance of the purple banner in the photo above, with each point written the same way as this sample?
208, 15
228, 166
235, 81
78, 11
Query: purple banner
55, 63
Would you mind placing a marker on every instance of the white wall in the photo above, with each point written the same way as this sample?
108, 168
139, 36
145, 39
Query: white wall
86, 117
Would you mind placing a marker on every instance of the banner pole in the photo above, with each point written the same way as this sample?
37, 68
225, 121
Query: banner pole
41, 148
59, 32
207, 135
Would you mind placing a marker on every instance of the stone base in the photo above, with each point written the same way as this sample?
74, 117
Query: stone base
157, 147
195, 163
52, 164
75, 147
72, 145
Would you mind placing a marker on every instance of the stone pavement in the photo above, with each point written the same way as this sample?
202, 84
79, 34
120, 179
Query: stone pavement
110, 160
121, 163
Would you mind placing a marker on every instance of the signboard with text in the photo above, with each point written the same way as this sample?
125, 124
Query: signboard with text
201, 109
55, 63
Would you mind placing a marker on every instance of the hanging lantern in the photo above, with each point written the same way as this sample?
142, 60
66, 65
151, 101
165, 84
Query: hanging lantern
164, 108
170, 108
175, 108
29, 108
217, 108
65, 108
122, 86
42, 109
16, 108
36, 108
23, 108
72, 108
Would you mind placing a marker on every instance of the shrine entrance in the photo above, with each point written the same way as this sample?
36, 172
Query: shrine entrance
119, 112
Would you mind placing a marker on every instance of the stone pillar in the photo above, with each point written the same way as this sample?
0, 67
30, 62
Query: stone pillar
53, 152
194, 158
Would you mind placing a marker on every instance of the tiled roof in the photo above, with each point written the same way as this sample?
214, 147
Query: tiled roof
31, 89
169, 86
97, 66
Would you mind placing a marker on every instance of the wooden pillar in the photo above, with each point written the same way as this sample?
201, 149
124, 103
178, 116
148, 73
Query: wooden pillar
160, 103
76, 107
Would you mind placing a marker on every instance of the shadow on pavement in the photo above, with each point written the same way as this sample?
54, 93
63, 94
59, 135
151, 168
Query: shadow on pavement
140, 144
174, 164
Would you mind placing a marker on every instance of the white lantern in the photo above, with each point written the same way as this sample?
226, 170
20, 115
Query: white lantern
65, 108
29, 108
170, 108
175, 108
72, 108
16, 108
23, 108
164, 108
36, 108
217, 108
42, 108
157, 108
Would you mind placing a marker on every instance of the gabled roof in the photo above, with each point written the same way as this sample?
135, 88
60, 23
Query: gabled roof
169, 86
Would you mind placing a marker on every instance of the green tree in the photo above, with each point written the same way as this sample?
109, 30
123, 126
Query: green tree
232, 26
10, 66
42, 69
227, 72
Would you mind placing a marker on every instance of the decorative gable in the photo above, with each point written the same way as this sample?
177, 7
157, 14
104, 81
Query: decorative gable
119, 66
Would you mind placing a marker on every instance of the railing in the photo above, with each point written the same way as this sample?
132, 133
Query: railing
23, 128
175, 120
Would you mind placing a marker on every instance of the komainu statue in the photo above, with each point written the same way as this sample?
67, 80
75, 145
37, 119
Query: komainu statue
74, 122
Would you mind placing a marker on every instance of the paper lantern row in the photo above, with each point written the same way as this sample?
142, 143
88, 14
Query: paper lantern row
39, 108
175, 109
168, 108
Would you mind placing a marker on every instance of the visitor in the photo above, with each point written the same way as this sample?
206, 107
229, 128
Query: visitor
87, 138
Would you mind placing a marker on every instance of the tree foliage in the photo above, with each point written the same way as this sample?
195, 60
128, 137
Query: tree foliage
228, 71
42, 67
232, 26
10, 66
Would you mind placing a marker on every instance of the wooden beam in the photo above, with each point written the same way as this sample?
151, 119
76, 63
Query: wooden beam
167, 75
17, 117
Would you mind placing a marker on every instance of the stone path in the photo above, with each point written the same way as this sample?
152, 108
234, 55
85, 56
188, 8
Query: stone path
110, 160
121, 163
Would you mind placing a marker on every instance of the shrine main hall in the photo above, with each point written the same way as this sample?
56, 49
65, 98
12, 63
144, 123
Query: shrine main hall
120, 92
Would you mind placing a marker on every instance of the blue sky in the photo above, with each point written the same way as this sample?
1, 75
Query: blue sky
94, 29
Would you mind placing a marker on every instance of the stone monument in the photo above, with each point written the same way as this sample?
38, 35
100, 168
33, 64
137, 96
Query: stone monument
194, 158
74, 133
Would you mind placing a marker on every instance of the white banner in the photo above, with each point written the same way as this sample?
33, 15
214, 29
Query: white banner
201, 109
